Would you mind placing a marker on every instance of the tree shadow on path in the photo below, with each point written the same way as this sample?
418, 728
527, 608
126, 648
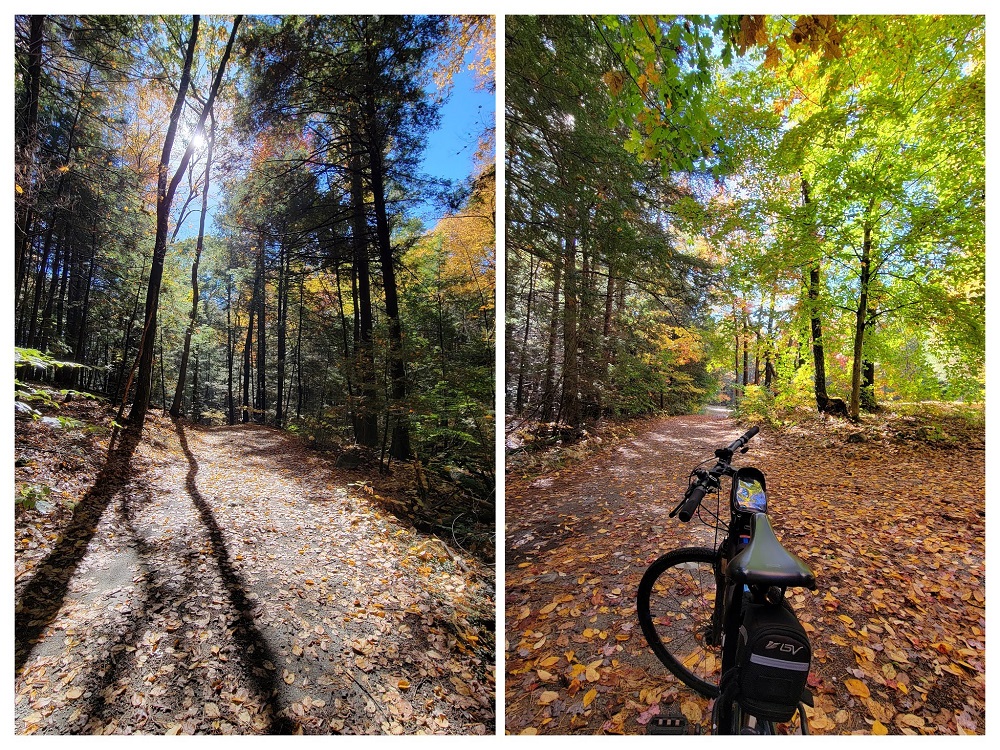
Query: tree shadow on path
253, 646
43, 596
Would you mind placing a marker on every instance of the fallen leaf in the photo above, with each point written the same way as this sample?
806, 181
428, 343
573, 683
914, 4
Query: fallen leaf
692, 711
857, 687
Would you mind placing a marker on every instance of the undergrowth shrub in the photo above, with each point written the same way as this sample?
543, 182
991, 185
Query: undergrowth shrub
757, 405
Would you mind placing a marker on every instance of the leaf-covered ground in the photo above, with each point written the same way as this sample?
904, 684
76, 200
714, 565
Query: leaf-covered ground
229, 581
890, 515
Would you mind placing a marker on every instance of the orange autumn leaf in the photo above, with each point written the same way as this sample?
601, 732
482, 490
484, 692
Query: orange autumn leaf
857, 687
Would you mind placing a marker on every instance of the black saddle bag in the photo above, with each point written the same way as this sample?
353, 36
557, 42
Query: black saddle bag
773, 657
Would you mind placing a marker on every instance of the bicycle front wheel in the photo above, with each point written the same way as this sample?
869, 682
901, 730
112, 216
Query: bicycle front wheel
677, 612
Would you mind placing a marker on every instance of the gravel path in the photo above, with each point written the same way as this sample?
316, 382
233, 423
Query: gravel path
237, 583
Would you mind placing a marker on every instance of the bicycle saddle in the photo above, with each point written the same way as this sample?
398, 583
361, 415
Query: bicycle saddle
764, 561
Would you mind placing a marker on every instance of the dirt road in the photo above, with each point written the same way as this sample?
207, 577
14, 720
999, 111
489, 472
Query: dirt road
234, 582
893, 527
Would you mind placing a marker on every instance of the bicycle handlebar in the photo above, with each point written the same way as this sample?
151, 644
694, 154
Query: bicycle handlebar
691, 502
742, 439
709, 480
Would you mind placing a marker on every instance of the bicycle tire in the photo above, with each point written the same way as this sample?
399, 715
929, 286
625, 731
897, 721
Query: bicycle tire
675, 605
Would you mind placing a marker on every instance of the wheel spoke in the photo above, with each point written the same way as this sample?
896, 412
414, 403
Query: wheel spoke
676, 603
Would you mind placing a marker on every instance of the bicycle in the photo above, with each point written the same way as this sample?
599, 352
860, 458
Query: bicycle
717, 616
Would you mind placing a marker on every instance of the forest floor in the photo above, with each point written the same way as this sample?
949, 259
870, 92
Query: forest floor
228, 580
890, 515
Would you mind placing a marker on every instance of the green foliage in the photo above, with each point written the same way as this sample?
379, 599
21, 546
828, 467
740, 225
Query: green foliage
42, 396
657, 82
637, 386
971, 414
41, 360
451, 428
31, 495
602, 289
796, 392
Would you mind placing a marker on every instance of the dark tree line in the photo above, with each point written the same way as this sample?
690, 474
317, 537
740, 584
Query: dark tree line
600, 290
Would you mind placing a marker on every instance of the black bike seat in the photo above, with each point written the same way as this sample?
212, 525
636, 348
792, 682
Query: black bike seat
764, 561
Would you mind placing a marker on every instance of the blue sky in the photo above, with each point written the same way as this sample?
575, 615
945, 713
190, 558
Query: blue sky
450, 149
449, 152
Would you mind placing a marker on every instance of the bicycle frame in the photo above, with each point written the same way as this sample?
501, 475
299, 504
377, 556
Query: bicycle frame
765, 653
731, 599
738, 536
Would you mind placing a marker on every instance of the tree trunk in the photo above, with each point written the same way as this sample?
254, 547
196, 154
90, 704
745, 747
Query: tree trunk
549, 387
816, 325
609, 299
860, 322
83, 315
45, 328
279, 408
195, 393
525, 338
165, 196
261, 290
769, 346
736, 372
26, 142
247, 352
230, 344
175, 407
868, 400
127, 337
400, 446
365, 418
746, 356
569, 410
756, 357
298, 346
69, 261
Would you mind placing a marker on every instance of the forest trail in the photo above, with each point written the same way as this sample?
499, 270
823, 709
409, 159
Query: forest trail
894, 528
235, 582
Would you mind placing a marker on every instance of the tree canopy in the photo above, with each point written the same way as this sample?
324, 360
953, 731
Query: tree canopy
218, 216
788, 208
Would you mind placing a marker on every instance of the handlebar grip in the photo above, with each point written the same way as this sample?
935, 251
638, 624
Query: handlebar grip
743, 439
691, 503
